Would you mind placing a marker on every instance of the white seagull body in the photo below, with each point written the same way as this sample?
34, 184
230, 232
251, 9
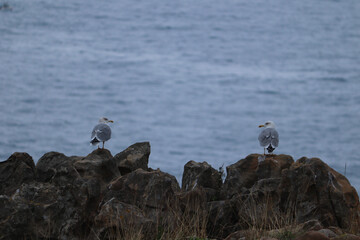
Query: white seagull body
269, 137
101, 132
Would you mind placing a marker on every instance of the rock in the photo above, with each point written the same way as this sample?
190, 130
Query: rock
42, 210
123, 221
154, 192
144, 189
80, 182
259, 207
15, 220
247, 235
314, 225
242, 175
316, 191
265, 188
222, 219
19, 168
238, 235
347, 237
336, 230
193, 201
134, 157
88, 198
202, 175
56, 167
98, 165
327, 232
313, 235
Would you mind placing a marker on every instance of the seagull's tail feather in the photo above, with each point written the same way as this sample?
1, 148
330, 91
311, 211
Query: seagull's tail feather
94, 141
270, 148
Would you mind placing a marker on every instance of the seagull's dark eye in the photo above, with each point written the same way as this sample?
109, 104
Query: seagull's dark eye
105, 119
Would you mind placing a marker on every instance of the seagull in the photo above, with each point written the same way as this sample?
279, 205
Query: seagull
269, 137
101, 132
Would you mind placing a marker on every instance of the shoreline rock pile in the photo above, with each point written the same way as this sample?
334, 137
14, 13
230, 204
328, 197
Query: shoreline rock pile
101, 196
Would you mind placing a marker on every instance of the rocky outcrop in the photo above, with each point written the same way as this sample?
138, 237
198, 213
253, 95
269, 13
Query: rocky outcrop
101, 196
244, 174
316, 191
202, 175
18, 169
134, 157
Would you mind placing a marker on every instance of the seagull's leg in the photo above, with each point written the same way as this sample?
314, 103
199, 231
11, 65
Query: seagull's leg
103, 144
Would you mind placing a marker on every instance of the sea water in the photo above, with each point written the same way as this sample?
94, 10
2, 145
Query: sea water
195, 78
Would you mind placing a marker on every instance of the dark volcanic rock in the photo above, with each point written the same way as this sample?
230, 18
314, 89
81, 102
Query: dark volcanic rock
42, 210
316, 191
202, 175
98, 165
313, 235
244, 174
15, 219
144, 189
308, 190
18, 169
134, 157
154, 192
123, 221
54, 166
88, 198
223, 218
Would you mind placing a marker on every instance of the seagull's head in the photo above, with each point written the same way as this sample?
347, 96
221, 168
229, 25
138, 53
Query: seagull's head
268, 124
105, 120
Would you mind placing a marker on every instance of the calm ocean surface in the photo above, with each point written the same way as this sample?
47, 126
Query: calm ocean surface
195, 78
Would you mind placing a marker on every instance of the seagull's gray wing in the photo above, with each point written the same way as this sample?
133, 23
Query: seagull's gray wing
102, 132
269, 136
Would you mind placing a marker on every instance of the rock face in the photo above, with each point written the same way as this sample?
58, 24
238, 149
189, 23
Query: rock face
202, 175
104, 197
316, 191
244, 174
134, 157
18, 169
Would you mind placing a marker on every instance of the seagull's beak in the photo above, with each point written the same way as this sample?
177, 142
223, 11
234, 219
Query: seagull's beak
260, 126
111, 121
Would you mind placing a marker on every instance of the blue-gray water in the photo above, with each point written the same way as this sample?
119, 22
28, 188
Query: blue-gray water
195, 78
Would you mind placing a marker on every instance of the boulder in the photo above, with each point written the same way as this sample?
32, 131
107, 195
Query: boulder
19, 168
123, 221
311, 225
134, 157
243, 175
16, 220
154, 189
202, 175
307, 189
42, 210
315, 191
313, 235
154, 192
95, 170
98, 165
56, 167
238, 235
327, 232
347, 237
104, 197
223, 218
193, 201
